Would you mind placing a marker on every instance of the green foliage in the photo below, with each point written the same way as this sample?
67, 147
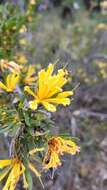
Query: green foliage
11, 20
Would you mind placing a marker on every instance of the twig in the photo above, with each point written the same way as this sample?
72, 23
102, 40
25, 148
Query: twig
97, 57
86, 113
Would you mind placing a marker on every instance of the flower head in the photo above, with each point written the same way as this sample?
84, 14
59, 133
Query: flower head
15, 168
30, 78
23, 42
57, 146
11, 65
11, 82
21, 59
49, 92
23, 29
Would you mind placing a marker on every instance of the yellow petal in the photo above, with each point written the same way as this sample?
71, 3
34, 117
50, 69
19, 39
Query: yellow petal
4, 173
34, 170
14, 80
27, 89
33, 104
65, 94
49, 106
15, 176
17, 171
2, 86
8, 80
41, 76
4, 163
25, 184
54, 160
54, 91
8, 182
64, 101
30, 80
11, 81
50, 70
23, 168
14, 67
35, 150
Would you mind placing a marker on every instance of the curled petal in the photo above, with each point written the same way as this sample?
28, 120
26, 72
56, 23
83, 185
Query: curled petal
49, 107
29, 91
4, 163
2, 86
34, 170
65, 94
33, 104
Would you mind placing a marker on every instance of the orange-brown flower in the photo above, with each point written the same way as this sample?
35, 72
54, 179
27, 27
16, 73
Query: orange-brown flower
57, 146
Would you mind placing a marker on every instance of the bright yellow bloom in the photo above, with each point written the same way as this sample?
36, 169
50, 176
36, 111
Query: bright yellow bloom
11, 65
58, 146
30, 78
14, 168
50, 92
11, 82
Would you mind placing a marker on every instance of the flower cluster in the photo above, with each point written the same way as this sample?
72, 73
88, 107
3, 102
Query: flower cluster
29, 95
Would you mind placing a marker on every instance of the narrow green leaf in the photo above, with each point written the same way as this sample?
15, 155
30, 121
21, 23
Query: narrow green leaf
5, 129
27, 119
29, 179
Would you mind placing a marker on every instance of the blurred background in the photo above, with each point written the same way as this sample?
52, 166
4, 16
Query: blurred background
73, 33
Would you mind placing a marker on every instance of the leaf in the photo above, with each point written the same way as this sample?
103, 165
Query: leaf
67, 136
5, 129
29, 179
27, 119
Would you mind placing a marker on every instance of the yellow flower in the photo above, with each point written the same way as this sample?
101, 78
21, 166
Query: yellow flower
58, 146
23, 42
23, 29
30, 78
11, 82
21, 59
15, 168
32, 2
11, 65
50, 92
